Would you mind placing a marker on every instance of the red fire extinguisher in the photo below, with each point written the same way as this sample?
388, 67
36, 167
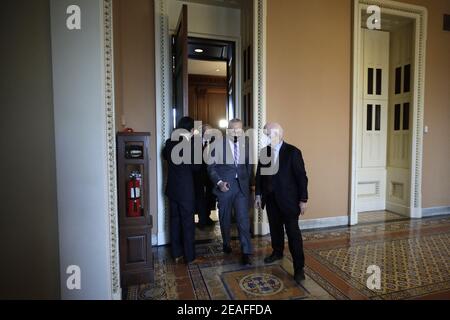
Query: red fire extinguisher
134, 195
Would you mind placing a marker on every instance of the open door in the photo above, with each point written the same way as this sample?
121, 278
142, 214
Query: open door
180, 71
231, 83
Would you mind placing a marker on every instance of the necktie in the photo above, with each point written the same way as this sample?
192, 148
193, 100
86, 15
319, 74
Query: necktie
236, 154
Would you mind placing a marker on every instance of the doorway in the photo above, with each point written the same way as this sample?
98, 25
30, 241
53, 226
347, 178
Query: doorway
249, 33
388, 82
211, 81
208, 90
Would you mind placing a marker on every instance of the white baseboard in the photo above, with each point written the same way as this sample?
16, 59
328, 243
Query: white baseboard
162, 239
154, 239
261, 228
436, 211
324, 222
416, 213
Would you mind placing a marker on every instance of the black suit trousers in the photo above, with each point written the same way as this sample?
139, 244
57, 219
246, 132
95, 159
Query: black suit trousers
182, 231
278, 221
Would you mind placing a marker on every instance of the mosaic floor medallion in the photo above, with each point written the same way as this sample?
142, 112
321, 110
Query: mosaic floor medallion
261, 284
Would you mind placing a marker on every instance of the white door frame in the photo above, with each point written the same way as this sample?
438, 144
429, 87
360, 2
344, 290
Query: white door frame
164, 107
419, 15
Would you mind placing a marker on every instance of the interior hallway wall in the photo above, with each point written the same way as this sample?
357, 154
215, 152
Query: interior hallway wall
29, 266
81, 149
309, 92
134, 50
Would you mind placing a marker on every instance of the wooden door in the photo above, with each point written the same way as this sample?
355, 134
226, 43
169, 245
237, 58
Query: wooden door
231, 83
373, 125
180, 53
401, 110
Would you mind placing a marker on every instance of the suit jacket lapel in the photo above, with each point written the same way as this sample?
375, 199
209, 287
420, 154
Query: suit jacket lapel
229, 159
281, 156
282, 151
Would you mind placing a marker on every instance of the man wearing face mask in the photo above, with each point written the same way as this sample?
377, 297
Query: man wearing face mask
282, 187
180, 192
230, 171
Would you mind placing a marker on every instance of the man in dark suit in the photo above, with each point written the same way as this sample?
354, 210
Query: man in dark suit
180, 191
282, 187
230, 171
204, 197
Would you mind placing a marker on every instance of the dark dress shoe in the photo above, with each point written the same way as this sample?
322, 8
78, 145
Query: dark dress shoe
210, 222
272, 258
227, 249
246, 261
299, 277
201, 226
179, 260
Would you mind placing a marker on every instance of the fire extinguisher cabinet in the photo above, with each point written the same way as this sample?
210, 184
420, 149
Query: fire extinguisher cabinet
135, 219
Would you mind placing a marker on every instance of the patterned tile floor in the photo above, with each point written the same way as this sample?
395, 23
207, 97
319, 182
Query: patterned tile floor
413, 257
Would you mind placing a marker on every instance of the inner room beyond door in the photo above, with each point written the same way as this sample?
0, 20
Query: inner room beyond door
208, 96
211, 81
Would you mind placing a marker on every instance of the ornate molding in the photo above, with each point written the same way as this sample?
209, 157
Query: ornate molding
259, 87
163, 108
420, 96
111, 144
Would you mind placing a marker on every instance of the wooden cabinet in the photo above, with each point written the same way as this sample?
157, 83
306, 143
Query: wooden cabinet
135, 220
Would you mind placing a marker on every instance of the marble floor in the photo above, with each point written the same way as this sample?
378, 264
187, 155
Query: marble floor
413, 257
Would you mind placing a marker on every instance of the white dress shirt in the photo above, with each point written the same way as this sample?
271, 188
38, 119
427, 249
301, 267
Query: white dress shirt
231, 142
276, 151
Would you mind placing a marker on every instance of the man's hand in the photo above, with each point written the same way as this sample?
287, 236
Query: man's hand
258, 203
223, 186
303, 207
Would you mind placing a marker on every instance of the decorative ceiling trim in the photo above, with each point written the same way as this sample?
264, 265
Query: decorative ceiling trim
235, 4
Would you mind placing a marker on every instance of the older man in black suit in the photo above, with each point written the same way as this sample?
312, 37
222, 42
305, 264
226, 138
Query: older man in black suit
282, 187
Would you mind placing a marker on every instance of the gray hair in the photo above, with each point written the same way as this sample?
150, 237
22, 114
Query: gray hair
233, 121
